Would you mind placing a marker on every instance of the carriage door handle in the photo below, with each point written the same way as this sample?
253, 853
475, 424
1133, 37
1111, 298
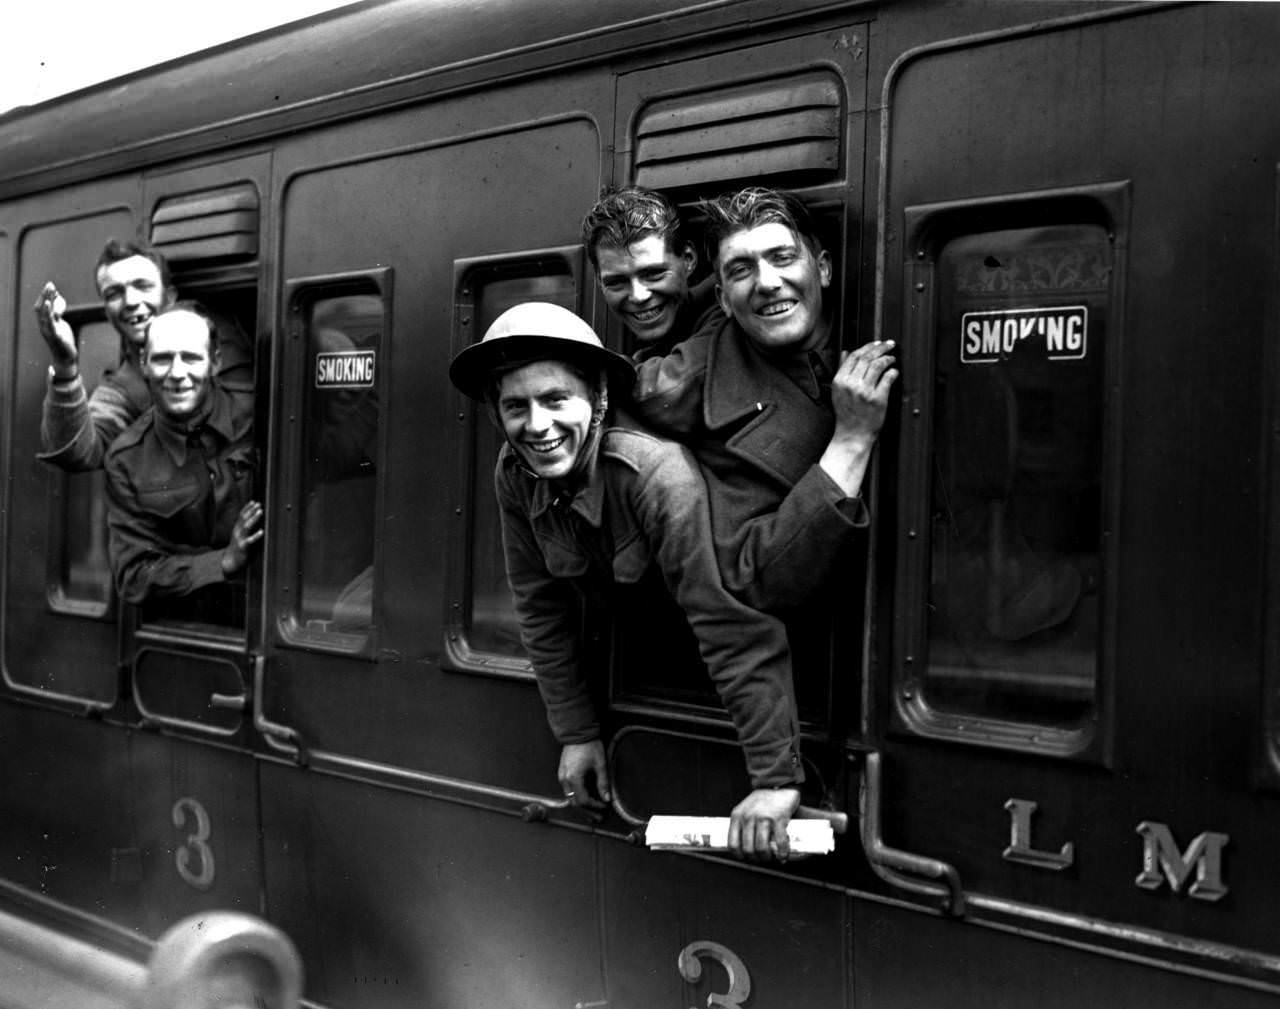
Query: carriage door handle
279, 737
897, 867
231, 702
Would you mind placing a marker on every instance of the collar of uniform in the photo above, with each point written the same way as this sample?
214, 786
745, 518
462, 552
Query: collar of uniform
741, 380
587, 500
699, 312
702, 306
220, 418
807, 370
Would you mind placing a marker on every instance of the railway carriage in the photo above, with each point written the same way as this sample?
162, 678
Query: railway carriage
1048, 701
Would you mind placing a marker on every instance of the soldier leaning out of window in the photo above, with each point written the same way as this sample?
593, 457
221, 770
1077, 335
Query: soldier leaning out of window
181, 514
586, 505
782, 423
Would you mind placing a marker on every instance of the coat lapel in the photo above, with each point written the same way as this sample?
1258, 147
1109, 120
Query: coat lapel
763, 416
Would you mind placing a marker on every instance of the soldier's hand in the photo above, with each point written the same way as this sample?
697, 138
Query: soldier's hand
57, 332
244, 534
579, 762
860, 390
758, 824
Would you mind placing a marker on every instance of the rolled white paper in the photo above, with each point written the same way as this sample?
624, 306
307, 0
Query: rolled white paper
711, 833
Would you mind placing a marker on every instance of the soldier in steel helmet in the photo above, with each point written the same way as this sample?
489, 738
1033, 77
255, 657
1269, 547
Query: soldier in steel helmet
586, 505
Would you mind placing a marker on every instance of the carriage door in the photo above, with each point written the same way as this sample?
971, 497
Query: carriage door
1068, 653
58, 634
788, 114
190, 666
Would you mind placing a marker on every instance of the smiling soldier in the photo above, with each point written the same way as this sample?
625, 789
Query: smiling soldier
586, 506
180, 479
644, 264
133, 281
781, 426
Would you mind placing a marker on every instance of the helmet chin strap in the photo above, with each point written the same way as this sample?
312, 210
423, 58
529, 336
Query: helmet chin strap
586, 461
601, 406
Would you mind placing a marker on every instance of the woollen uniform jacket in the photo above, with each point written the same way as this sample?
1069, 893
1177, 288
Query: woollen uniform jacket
643, 502
77, 429
778, 520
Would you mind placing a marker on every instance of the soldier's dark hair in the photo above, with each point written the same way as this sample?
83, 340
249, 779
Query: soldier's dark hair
750, 208
592, 374
623, 216
117, 249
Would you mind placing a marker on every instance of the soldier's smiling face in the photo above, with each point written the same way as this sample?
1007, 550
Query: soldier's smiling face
771, 282
179, 363
546, 410
133, 293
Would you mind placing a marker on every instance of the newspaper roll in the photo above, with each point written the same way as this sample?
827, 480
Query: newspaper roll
711, 833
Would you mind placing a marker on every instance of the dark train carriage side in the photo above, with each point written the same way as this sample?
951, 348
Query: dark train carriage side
1080, 257
1055, 722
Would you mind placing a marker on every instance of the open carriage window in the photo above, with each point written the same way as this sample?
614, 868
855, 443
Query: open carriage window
79, 575
230, 302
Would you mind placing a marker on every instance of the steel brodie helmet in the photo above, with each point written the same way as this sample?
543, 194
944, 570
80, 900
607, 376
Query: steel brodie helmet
536, 331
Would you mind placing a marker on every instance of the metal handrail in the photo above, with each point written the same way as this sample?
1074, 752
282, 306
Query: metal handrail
839, 820
214, 951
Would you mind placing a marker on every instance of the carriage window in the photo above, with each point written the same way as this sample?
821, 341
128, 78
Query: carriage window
484, 632
80, 573
1014, 554
339, 464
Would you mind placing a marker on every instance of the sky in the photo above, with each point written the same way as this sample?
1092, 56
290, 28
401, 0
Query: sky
57, 46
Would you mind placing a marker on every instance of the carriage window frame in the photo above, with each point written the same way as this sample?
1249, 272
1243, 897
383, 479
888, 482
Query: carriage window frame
1266, 760
60, 599
471, 471
300, 294
927, 231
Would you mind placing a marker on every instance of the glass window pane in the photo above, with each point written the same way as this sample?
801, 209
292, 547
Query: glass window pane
339, 468
1016, 536
83, 573
491, 624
